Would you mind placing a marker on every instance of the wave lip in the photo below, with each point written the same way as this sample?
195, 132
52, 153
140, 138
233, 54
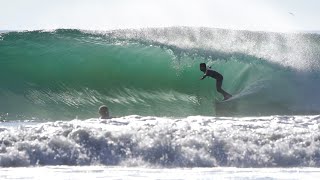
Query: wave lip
195, 141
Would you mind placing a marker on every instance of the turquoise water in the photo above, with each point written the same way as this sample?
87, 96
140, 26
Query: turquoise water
52, 83
64, 74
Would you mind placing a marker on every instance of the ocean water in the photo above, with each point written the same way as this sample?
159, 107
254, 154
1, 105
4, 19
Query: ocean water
147, 147
168, 124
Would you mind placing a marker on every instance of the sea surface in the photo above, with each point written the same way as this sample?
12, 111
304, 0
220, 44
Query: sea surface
167, 123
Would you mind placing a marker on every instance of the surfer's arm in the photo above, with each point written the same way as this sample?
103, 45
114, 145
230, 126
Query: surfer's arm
204, 76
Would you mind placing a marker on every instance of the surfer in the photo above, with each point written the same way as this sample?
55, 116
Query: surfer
104, 112
217, 76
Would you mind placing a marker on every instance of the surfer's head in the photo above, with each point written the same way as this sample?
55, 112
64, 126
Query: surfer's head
203, 67
104, 112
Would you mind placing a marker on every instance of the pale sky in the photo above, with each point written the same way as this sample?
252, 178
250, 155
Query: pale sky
265, 15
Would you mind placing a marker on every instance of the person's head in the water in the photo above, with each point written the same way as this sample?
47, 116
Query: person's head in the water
104, 112
203, 67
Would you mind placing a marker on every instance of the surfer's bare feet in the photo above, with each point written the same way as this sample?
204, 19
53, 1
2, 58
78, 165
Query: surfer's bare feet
227, 97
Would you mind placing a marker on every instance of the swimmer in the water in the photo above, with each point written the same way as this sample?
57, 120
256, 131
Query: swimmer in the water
104, 112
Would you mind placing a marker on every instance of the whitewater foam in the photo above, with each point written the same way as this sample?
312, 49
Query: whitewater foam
146, 141
116, 173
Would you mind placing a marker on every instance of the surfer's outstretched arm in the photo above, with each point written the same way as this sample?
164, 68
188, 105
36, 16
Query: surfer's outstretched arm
204, 76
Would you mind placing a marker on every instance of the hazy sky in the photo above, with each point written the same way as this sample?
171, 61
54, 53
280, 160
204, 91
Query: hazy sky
268, 15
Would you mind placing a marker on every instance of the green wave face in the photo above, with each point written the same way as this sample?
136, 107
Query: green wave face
65, 74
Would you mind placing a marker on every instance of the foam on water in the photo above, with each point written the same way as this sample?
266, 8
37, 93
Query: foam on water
146, 141
116, 173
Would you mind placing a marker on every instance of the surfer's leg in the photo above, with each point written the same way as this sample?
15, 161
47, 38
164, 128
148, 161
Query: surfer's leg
218, 85
220, 90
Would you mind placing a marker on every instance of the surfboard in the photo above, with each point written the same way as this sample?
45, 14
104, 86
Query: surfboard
235, 96
229, 99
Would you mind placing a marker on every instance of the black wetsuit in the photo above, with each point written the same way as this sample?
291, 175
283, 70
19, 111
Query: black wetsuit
214, 74
218, 77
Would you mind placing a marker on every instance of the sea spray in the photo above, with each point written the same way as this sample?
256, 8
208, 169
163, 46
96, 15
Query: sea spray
146, 141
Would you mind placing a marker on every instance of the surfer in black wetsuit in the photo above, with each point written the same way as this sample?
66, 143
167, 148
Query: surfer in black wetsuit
217, 76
